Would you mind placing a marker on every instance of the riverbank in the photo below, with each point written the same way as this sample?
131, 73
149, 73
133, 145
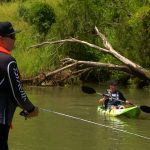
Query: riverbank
30, 62
35, 63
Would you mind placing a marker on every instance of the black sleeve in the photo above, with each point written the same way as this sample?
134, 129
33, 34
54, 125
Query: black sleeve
121, 96
16, 87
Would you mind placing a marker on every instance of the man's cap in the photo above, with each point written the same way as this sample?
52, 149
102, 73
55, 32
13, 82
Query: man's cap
6, 29
113, 82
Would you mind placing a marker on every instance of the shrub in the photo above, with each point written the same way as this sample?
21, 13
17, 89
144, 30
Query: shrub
40, 15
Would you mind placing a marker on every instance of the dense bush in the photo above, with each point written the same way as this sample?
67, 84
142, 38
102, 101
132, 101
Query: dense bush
40, 15
5, 1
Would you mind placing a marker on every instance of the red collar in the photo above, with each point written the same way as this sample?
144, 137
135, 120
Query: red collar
3, 50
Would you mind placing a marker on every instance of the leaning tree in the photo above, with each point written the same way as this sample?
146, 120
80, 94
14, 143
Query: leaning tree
127, 65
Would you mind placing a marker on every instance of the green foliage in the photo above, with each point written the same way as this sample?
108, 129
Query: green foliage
133, 35
140, 25
78, 20
40, 15
125, 23
5, 1
23, 12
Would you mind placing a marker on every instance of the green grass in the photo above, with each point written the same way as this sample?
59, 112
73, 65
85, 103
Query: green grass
30, 62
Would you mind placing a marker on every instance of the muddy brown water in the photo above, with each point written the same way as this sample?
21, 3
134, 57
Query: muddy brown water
88, 131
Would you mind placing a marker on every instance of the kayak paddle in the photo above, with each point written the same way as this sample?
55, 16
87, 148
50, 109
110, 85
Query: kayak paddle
90, 90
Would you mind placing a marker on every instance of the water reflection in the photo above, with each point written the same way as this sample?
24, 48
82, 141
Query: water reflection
113, 121
52, 131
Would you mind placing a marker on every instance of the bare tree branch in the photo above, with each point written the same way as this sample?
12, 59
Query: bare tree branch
86, 66
104, 39
139, 70
128, 66
74, 40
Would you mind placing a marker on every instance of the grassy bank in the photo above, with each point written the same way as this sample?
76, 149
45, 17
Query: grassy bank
30, 62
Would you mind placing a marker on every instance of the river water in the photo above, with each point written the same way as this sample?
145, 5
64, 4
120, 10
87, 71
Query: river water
70, 121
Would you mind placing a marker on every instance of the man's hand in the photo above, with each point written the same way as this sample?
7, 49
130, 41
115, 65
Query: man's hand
34, 113
128, 102
101, 101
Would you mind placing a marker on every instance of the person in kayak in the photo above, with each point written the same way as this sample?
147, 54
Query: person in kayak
113, 98
11, 91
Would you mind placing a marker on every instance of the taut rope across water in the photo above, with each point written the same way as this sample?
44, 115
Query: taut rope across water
95, 123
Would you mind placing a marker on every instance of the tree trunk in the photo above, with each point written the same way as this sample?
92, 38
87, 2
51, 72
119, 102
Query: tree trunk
128, 66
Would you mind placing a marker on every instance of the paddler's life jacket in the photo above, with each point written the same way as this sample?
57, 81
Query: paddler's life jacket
111, 101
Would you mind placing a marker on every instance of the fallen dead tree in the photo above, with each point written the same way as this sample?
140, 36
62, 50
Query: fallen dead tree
71, 68
127, 65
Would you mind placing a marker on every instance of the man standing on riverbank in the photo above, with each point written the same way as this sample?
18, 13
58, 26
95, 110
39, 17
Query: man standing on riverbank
11, 91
